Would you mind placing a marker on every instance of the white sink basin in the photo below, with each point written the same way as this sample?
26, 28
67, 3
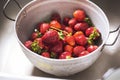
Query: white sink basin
14, 62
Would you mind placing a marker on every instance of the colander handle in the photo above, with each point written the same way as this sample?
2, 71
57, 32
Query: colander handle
5, 6
112, 32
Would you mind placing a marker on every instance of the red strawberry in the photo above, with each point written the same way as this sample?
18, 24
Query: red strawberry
72, 22
93, 34
68, 48
82, 26
28, 44
81, 40
38, 25
65, 55
83, 53
46, 54
78, 33
90, 30
46, 47
56, 16
91, 48
68, 29
62, 26
40, 43
50, 37
77, 50
66, 20
57, 47
44, 27
55, 24
34, 35
79, 15
70, 40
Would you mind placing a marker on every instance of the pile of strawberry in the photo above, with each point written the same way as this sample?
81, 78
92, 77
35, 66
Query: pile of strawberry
64, 38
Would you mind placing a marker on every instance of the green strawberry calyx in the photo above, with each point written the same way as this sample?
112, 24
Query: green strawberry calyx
93, 36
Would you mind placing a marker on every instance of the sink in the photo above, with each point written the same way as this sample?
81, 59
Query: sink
14, 62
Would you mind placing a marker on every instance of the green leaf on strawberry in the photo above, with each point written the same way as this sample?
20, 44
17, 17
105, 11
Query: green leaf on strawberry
61, 35
35, 47
53, 55
88, 21
39, 34
90, 41
93, 36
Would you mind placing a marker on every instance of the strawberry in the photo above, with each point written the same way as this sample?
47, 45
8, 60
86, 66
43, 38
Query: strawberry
78, 33
77, 50
79, 15
91, 30
68, 29
40, 43
91, 48
47, 47
65, 38
56, 16
34, 35
28, 44
68, 48
65, 55
62, 26
46, 54
44, 27
82, 26
38, 25
57, 47
50, 37
66, 20
81, 40
72, 22
70, 40
93, 34
55, 24
83, 53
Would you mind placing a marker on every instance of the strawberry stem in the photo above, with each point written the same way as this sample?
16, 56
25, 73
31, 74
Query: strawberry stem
59, 30
61, 33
